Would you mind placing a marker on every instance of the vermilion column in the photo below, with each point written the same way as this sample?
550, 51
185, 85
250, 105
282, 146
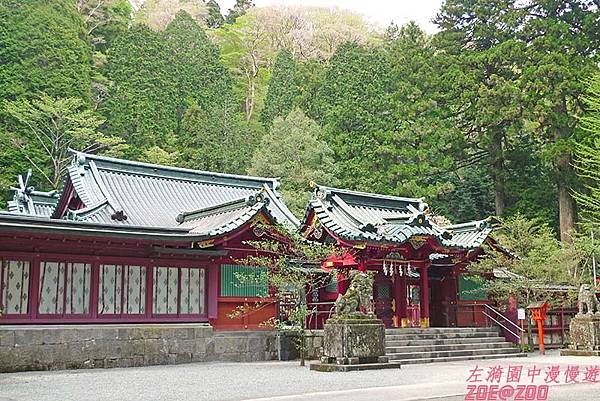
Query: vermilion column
424, 296
403, 301
399, 294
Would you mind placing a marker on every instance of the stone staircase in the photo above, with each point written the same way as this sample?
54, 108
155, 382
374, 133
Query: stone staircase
411, 346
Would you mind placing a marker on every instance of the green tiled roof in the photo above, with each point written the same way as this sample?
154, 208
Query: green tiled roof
360, 216
125, 192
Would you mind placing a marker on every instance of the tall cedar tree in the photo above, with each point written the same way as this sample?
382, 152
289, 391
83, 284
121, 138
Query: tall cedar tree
562, 38
142, 106
200, 76
283, 91
420, 142
353, 106
588, 153
482, 56
43, 49
219, 139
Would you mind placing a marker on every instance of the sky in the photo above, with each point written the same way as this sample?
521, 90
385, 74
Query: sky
381, 12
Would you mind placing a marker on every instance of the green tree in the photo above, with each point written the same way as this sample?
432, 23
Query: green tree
53, 126
214, 19
239, 8
588, 153
293, 151
216, 140
158, 14
104, 19
354, 107
200, 76
44, 48
420, 142
143, 100
562, 41
283, 91
539, 259
481, 59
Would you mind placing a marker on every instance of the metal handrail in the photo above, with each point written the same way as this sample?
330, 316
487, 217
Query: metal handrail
509, 321
500, 324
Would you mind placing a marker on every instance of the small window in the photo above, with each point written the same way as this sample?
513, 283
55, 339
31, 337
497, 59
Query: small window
14, 286
178, 290
244, 281
384, 291
121, 290
64, 288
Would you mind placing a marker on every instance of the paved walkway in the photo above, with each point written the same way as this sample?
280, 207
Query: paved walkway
282, 381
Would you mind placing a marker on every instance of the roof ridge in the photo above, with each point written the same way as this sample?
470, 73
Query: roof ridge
81, 158
479, 225
368, 194
238, 203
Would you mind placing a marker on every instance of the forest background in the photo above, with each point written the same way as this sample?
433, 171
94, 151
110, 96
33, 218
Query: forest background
496, 114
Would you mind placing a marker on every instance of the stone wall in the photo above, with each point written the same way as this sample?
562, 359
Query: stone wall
314, 344
25, 348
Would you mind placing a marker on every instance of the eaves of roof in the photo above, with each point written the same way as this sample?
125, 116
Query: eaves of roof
384, 223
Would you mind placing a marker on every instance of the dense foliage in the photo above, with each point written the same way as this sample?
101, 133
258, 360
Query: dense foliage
292, 149
481, 118
588, 154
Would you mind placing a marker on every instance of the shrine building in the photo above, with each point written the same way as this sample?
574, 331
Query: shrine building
133, 242
419, 266
130, 242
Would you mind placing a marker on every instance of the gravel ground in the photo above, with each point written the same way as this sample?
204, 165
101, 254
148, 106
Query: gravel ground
243, 381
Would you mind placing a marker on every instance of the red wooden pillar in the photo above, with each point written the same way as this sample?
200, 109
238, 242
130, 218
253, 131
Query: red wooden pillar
213, 292
424, 296
399, 294
403, 299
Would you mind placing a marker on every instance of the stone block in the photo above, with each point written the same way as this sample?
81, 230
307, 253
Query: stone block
256, 343
345, 338
29, 337
230, 345
7, 338
203, 331
585, 332
184, 357
199, 346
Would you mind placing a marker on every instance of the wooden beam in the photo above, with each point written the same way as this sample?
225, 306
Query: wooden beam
185, 251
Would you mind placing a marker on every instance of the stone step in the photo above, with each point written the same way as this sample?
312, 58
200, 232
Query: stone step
441, 354
442, 330
442, 341
445, 347
459, 358
435, 336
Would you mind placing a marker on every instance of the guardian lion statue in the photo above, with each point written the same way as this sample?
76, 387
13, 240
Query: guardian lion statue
358, 294
587, 300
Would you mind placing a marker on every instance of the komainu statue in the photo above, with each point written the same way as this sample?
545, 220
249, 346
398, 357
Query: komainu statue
587, 300
358, 294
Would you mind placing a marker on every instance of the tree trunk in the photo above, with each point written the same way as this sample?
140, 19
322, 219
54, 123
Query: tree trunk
566, 204
497, 155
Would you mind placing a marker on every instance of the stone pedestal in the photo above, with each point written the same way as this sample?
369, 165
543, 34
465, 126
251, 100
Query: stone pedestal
585, 336
353, 342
